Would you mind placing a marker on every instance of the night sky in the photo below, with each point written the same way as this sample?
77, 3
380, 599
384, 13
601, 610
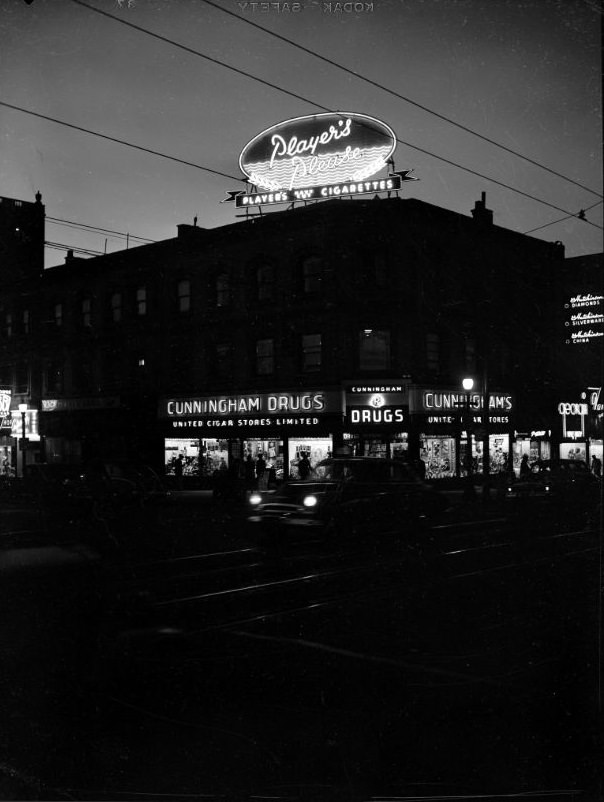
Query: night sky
525, 73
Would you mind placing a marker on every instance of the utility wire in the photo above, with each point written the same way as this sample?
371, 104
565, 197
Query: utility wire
298, 97
399, 96
580, 215
120, 141
86, 227
60, 247
225, 175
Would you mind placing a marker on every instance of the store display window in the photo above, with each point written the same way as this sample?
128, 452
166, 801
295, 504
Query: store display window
315, 448
270, 450
573, 451
438, 455
200, 457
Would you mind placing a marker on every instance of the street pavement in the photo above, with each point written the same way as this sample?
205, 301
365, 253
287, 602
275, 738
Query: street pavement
187, 663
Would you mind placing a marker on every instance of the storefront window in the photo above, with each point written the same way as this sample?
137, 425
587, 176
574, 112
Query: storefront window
438, 455
573, 451
200, 457
315, 448
271, 451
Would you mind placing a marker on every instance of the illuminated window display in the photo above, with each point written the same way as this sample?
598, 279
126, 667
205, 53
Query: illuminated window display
200, 457
271, 450
438, 454
315, 448
573, 451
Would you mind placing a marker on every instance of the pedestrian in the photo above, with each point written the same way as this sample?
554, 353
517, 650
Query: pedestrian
304, 466
525, 468
249, 473
261, 472
178, 471
596, 466
420, 467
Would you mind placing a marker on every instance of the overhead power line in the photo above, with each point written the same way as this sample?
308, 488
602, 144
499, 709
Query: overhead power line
580, 215
297, 97
60, 247
119, 141
399, 96
90, 228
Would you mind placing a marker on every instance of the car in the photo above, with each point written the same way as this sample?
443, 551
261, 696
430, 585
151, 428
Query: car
564, 479
347, 497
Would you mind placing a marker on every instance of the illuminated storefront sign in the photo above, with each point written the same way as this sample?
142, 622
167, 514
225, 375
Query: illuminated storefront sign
390, 184
436, 401
584, 318
317, 150
75, 404
577, 411
5, 400
380, 403
245, 411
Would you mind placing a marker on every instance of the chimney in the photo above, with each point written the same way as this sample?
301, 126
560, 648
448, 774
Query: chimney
480, 213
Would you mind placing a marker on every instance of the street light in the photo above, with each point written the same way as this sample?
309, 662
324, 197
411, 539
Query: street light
23, 410
468, 385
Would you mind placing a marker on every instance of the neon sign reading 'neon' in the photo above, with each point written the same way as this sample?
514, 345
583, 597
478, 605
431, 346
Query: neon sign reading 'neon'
317, 149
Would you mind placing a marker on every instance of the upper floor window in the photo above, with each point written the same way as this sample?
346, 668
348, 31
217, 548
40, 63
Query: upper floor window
265, 282
58, 314
184, 295
223, 290
141, 301
374, 350
53, 379
312, 273
116, 307
311, 352
26, 321
433, 352
87, 312
22, 378
470, 355
8, 324
265, 357
223, 360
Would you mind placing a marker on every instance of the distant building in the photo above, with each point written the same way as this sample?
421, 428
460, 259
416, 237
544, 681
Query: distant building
343, 325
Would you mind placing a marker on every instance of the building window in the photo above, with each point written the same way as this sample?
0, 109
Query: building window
433, 352
311, 352
87, 313
141, 301
265, 357
374, 350
265, 282
223, 361
223, 290
184, 295
470, 355
8, 325
26, 321
116, 307
58, 315
22, 379
312, 274
375, 269
54, 377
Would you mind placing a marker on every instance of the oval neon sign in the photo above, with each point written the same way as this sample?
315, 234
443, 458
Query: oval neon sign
328, 148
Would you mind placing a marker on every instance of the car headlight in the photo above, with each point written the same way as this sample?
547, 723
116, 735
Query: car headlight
310, 501
255, 498
547, 488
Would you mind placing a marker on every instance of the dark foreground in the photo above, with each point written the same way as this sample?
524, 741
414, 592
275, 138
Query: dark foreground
191, 665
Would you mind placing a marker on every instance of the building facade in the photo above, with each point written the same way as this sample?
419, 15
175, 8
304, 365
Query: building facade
346, 324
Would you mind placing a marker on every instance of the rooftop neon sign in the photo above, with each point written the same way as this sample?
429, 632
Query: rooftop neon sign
317, 150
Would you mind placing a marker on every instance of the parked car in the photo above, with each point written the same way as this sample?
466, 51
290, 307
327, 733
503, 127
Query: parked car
565, 479
347, 497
